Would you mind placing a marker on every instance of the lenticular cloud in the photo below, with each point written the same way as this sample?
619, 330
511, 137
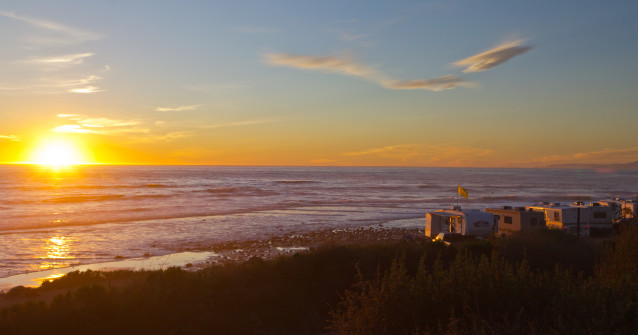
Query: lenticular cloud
491, 58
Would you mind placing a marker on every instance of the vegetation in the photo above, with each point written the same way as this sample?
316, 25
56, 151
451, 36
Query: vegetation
399, 288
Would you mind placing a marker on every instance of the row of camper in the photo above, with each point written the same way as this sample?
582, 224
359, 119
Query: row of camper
578, 218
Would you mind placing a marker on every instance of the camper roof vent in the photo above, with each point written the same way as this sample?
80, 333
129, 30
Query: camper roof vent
555, 204
455, 208
507, 207
520, 209
594, 204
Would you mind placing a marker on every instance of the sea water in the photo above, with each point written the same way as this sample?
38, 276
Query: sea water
92, 214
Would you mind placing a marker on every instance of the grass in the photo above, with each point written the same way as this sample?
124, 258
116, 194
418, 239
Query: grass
392, 288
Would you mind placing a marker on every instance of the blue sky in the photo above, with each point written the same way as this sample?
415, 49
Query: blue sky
419, 83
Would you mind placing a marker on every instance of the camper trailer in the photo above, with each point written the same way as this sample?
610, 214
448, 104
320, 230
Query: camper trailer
514, 219
600, 217
455, 220
572, 219
629, 209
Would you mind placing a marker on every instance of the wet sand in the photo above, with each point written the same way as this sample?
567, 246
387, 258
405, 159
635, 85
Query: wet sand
201, 256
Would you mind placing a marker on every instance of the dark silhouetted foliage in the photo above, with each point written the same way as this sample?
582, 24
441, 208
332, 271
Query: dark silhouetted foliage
398, 288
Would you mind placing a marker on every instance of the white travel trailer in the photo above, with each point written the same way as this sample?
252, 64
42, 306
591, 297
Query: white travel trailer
600, 217
565, 217
465, 222
515, 219
624, 210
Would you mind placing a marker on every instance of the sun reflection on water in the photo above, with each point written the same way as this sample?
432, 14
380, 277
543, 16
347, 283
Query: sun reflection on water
57, 253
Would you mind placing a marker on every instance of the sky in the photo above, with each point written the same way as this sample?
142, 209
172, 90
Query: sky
338, 83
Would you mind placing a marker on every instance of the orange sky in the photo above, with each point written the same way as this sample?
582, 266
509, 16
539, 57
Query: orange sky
501, 86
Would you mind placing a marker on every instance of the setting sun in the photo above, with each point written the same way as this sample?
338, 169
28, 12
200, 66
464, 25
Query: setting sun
58, 152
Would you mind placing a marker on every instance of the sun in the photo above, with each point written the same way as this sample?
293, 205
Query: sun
58, 152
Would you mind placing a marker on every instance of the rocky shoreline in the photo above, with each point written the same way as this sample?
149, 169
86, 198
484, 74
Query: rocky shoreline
240, 251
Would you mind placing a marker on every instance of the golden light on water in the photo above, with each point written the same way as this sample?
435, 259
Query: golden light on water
57, 252
58, 248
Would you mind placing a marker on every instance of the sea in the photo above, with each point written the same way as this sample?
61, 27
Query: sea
74, 216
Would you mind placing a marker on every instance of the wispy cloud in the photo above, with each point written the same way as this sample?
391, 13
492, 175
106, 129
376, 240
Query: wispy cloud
12, 138
493, 57
445, 155
348, 66
67, 34
71, 128
446, 82
65, 59
604, 156
172, 136
85, 90
100, 125
41, 44
55, 84
239, 123
134, 131
178, 108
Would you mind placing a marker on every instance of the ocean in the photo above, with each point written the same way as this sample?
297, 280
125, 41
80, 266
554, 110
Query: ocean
94, 214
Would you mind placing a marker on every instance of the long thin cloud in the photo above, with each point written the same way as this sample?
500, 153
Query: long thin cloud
13, 138
607, 155
349, 66
493, 57
419, 154
178, 109
75, 35
99, 125
65, 59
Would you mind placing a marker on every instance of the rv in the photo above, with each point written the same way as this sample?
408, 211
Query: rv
455, 220
601, 217
514, 219
572, 219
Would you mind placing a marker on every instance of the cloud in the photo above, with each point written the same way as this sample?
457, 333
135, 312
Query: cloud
12, 138
239, 123
328, 63
71, 128
70, 34
491, 58
46, 85
87, 89
178, 109
445, 154
349, 66
163, 138
106, 122
65, 59
136, 131
604, 156
100, 125
447, 82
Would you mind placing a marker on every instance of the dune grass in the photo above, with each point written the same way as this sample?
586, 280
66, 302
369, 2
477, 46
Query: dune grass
393, 288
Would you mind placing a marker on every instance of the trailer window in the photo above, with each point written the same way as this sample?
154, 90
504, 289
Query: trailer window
478, 224
557, 216
507, 219
600, 215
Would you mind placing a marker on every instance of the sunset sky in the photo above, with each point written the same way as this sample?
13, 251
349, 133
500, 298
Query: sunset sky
382, 83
